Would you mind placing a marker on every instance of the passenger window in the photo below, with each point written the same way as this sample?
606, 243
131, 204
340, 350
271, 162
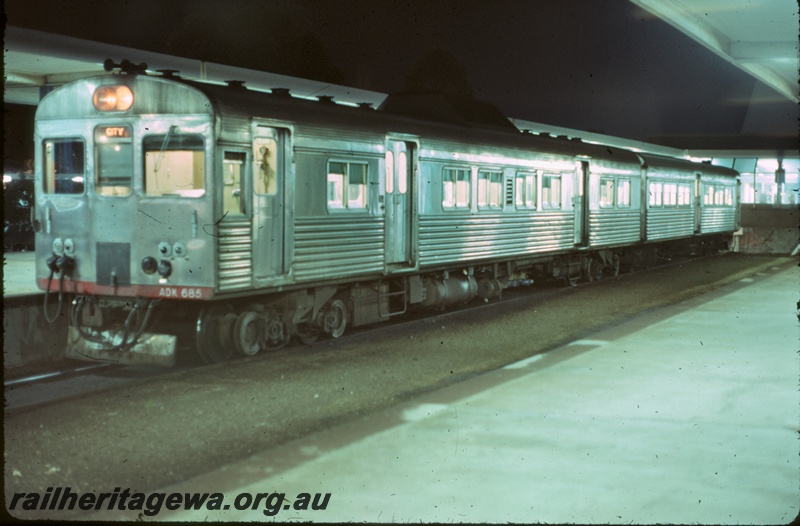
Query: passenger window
63, 166
402, 173
623, 193
526, 190
389, 172
347, 185
708, 197
670, 194
232, 170
114, 160
551, 191
174, 165
722, 196
455, 188
265, 180
684, 194
490, 189
606, 192
655, 190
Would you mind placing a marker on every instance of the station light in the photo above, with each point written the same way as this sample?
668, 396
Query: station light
113, 98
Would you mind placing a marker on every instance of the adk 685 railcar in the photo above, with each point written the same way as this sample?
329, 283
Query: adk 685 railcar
231, 220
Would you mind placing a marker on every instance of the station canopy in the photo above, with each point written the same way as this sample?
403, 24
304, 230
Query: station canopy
757, 36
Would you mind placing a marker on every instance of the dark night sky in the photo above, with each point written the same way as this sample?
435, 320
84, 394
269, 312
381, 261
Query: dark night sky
599, 65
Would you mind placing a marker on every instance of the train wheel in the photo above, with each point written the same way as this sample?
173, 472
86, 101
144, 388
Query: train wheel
333, 318
307, 333
273, 336
615, 262
246, 333
594, 269
213, 337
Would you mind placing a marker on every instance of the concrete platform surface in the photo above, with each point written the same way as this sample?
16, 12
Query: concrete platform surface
688, 414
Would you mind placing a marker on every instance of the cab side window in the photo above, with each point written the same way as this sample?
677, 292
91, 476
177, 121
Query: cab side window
174, 165
63, 166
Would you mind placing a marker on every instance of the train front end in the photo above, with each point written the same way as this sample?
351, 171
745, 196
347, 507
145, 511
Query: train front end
123, 213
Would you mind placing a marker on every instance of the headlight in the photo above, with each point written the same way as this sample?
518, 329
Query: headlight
113, 98
149, 265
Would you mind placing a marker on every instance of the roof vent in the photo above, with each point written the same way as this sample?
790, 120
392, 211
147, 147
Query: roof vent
239, 84
281, 92
544, 134
126, 66
365, 105
326, 99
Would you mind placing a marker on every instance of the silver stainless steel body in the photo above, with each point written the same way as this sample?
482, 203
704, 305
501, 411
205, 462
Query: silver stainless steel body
259, 216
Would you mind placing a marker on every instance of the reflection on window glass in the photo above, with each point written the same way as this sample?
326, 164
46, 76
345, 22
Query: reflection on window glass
347, 185
266, 168
63, 166
551, 191
526, 190
455, 188
114, 160
174, 165
490, 189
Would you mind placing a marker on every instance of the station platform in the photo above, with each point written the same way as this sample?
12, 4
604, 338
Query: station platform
687, 414
19, 278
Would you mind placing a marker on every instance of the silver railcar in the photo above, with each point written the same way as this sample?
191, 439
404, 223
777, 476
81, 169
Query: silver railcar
170, 211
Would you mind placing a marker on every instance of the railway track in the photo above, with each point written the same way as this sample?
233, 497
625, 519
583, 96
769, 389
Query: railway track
76, 379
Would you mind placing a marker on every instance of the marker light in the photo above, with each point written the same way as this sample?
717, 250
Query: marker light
113, 98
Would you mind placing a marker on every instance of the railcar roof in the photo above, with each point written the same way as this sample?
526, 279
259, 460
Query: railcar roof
244, 102
659, 161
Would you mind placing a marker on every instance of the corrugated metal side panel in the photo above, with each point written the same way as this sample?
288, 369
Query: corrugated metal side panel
234, 259
454, 238
613, 227
668, 223
717, 220
338, 246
